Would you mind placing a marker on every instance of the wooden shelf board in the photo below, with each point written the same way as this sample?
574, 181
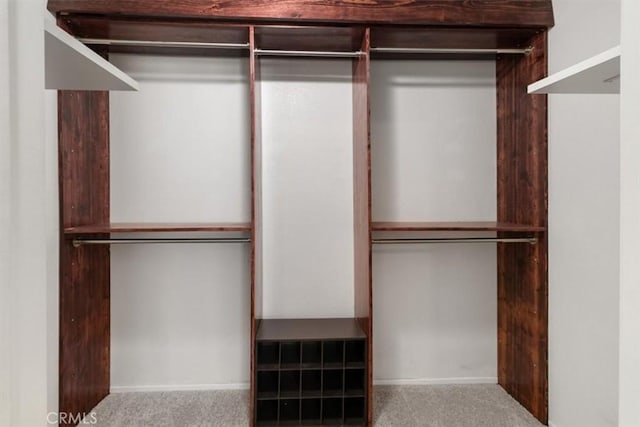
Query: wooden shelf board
455, 226
598, 74
140, 227
309, 329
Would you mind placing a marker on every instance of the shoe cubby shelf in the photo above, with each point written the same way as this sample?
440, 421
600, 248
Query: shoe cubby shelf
313, 373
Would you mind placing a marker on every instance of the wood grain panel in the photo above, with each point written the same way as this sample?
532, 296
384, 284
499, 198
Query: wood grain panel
256, 213
522, 199
84, 272
484, 13
309, 38
363, 291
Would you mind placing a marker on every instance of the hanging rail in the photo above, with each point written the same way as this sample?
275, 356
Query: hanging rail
398, 241
154, 43
311, 53
81, 242
448, 51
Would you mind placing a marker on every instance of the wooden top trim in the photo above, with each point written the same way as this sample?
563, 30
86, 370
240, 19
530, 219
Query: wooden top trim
309, 329
455, 226
123, 227
478, 13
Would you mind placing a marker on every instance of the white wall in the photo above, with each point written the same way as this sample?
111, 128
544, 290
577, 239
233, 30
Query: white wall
629, 410
307, 183
180, 153
434, 159
29, 221
583, 226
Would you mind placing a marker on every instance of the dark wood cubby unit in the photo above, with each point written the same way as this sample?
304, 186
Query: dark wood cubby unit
318, 376
312, 371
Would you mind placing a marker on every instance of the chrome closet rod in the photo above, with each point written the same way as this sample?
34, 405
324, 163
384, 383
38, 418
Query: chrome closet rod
311, 53
154, 43
80, 242
418, 50
398, 241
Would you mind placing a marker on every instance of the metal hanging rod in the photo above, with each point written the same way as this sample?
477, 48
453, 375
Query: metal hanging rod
311, 53
153, 43
80, 242
398, 241
419, 50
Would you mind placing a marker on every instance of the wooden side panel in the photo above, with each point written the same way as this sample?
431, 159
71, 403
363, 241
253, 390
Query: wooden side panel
362, 207
522, 199
484, 13
256, 213
84, 272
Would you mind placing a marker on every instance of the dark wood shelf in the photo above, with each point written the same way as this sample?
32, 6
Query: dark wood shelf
309, 329
151, 227
457, 226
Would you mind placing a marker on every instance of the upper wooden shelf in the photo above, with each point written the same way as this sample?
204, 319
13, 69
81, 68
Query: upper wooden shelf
309, 329
598, 74
455, 226
123, 227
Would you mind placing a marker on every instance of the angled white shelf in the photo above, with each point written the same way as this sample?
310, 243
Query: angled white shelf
598, 74
70, 65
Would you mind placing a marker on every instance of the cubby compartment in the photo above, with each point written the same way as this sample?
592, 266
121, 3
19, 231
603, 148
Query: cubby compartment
290, 411
354, 382
311, 383
311, 354
311, 411
332, 382
333, 354
353, 410
332, 411
267, 384
354, 354
267, 412
289, 384
290, 355
268, 355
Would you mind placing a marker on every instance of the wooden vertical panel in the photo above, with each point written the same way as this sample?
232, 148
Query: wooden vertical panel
84, 272
256, 213
522, 198
362, 207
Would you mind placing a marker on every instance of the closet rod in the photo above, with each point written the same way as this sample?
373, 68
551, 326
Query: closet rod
312, 53
80, 242
419, 50
154, 43
530, 240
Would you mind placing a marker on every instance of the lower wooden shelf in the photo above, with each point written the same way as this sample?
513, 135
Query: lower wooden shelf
310, 372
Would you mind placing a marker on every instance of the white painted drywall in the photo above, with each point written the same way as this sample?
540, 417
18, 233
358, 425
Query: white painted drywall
307, 188
29, 223
583, 226
629, 410
180, 153
434, 159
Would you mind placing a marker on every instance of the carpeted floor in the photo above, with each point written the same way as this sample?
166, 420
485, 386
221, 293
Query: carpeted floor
411, 406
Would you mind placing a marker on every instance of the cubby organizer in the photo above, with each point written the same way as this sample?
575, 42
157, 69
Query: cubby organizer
310, 371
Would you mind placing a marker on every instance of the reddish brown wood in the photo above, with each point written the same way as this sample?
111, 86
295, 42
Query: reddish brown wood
501, 13
451, 38
309, 329
123, 227
84, 272
522, 199
455, 226
256, 213
363, 291
309, 38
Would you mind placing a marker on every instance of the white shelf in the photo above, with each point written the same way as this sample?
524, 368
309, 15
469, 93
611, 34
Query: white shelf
70, 65
598, 74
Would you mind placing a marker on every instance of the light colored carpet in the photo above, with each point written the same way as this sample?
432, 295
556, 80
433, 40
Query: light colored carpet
411, 406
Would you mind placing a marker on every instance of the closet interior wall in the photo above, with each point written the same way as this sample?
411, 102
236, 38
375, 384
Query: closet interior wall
521, 148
